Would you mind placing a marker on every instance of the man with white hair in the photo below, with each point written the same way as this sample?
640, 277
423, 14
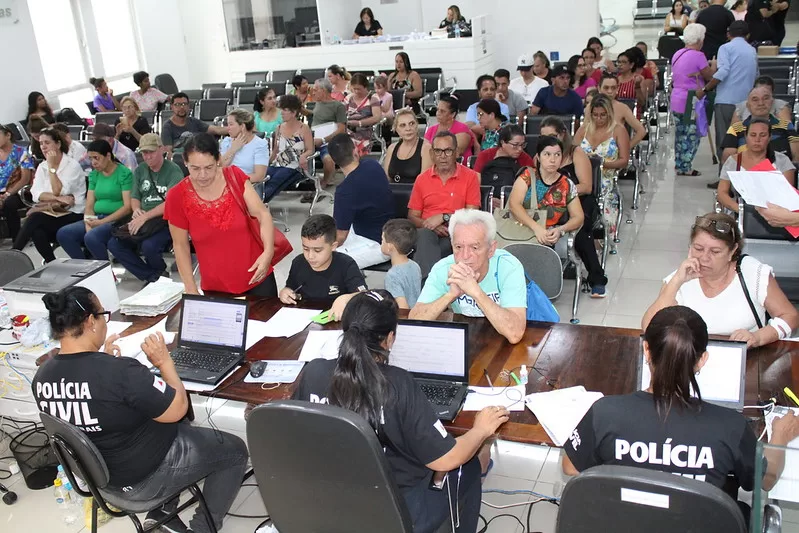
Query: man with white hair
329, 119
477, 279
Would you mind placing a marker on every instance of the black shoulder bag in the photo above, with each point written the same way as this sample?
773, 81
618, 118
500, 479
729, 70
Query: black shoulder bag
746, 291
148, 229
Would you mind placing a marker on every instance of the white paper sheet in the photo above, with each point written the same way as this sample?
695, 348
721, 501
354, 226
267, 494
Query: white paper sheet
324, 130
759, 188
559, 411
321, 344
131, 345
278, 372
787, 487
481, 397
115, 327
287, 322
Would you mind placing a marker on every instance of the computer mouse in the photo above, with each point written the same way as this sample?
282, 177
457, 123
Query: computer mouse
257, 368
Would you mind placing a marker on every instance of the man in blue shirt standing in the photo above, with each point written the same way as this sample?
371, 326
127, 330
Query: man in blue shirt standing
362, 205
558, 98
735, 75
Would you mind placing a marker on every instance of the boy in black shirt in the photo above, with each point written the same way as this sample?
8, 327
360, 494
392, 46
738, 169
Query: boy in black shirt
321, 273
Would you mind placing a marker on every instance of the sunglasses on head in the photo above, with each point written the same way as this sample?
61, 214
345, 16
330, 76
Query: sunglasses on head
720, 226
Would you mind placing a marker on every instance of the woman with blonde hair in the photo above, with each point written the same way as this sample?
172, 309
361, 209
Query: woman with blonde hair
602, 135
244, 149
131, 125
410, 155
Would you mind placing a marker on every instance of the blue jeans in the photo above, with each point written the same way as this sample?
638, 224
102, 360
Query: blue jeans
279, 179
73, 237
152, 248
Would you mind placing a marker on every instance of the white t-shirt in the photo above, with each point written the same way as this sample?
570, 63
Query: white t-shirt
73, 181
519, 86
729, 310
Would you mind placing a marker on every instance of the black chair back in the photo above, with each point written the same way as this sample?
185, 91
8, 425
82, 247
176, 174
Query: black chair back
348, 477
220, 92
278, 86
486, 197
248, 95
781, 86
532, 143
75, 131
256, 77
237, 84
179, 161
789, 98
107, 117
13, 264
433, 81
466, 97
756, 227
165, 83
668, 45
637, 500
401, 192
80, 454
194, 94
149, 116
211, 108
776, 71
313, 74
282, 75
398, 98
18, 133
596, 174
219, 85
532, 123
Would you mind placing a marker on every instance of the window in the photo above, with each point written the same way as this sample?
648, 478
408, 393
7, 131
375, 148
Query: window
255, 24
119, 50
59, 47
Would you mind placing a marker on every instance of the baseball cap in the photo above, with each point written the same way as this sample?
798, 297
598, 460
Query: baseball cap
525, 62
103, 130
559, 71
149, 142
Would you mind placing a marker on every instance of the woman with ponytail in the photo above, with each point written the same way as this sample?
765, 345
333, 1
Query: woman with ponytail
415, 442
668, 428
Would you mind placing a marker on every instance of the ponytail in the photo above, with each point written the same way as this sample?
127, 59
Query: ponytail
677, 339
358, 383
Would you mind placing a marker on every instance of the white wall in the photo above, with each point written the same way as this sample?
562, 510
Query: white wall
161, 34
621, 10
23, 72
207, 56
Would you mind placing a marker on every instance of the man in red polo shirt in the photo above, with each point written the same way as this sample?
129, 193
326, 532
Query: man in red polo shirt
437, 193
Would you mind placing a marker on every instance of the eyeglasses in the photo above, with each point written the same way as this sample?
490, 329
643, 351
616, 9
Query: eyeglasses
180, 104
105, 314
518, 146
720, 226
443, 151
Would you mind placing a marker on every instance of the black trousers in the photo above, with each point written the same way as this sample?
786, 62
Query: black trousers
10, 212
584, 244
41, 229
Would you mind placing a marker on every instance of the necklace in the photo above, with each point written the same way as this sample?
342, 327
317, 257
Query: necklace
411, 150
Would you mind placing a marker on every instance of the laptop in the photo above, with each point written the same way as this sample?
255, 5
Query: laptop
436, 354
722, 379
212, 337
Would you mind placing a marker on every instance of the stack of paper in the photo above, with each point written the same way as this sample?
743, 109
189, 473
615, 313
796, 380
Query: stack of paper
559, 411
130, 346
787, 487
153, 300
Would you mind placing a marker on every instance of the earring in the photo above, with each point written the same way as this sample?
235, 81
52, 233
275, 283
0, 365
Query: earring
94, 330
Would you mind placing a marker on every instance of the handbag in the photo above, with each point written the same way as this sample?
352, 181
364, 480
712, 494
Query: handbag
147, 230
281, 245
511, 230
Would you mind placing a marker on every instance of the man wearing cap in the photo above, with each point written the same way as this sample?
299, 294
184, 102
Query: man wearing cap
151, 181
734, 77
559, 98
528, 84
486, 90
106, 132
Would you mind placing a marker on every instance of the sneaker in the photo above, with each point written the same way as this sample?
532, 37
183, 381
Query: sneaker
175, 525
714, 185
598, 291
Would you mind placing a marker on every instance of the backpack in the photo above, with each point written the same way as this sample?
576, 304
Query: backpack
500, 172
539, 307
69, 117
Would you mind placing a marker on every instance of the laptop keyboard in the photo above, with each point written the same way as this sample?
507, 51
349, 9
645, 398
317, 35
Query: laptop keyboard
439, 394
210, 362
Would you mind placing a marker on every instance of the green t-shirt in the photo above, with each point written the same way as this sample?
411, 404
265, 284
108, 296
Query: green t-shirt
108, 189
332, 111
150, 187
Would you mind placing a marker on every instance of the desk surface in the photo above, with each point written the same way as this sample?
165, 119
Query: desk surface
560, 355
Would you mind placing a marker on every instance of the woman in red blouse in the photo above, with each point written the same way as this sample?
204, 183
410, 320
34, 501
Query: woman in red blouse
218, 208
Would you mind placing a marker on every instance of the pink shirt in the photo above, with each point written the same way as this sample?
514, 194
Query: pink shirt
587, 84
456, 128
148, 101
685, 67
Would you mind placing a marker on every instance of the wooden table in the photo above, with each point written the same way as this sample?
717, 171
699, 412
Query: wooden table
557, 355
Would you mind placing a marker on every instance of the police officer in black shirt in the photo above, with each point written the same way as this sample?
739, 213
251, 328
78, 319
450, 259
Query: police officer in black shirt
665, 428
132, 415
419, 450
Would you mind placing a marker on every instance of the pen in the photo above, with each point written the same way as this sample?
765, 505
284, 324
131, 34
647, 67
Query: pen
488, 379
789, 393
513, 375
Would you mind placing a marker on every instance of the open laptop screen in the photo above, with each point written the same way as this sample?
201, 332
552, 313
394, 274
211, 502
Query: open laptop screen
721, 381
214, 322
436, 350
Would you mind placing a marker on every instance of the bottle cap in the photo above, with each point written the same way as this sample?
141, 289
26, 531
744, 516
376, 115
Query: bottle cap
60, 468
57, 482
523, 369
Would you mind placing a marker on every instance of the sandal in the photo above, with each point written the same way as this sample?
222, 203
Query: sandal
490, 466
692, 173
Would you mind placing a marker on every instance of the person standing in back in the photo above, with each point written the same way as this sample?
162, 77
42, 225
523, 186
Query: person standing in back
363, 203
716, 19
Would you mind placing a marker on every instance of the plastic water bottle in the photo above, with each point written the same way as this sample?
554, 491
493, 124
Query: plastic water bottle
5, 313
457, 31
64, 502
75, 499
523, 374
328, 40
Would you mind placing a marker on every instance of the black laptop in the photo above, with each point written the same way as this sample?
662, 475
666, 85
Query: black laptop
212, 338
436, 353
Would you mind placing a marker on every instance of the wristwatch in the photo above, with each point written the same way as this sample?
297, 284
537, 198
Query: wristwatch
446, 217
52, 170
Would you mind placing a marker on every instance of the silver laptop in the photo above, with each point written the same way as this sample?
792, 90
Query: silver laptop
437, 354
722, 379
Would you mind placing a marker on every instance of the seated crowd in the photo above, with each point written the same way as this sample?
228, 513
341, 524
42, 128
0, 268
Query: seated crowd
446, 254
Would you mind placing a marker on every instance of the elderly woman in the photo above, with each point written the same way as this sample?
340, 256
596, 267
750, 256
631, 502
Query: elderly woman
404, 77
446, 114
59, 188
757, 156
147, 97
108, 201
603, 136
689, 72
491, 119
137, 427
411, 154
547, 188
267, 116
292, 145
218, 208
131, 125
363, 112
243, 148
16, 167
730, 291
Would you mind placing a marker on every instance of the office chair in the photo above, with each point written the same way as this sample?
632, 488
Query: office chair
637, 500
81, 458
13, 264
311, 481
165, 83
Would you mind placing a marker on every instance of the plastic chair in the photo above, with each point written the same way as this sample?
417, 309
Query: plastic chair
532, 123
542, 265
107, 117
282, 75
256, 77
210, 109
313, 74
165, 83
13, 264
247, 95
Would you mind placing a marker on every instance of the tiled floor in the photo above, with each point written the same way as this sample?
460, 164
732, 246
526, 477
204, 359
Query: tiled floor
652, 245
